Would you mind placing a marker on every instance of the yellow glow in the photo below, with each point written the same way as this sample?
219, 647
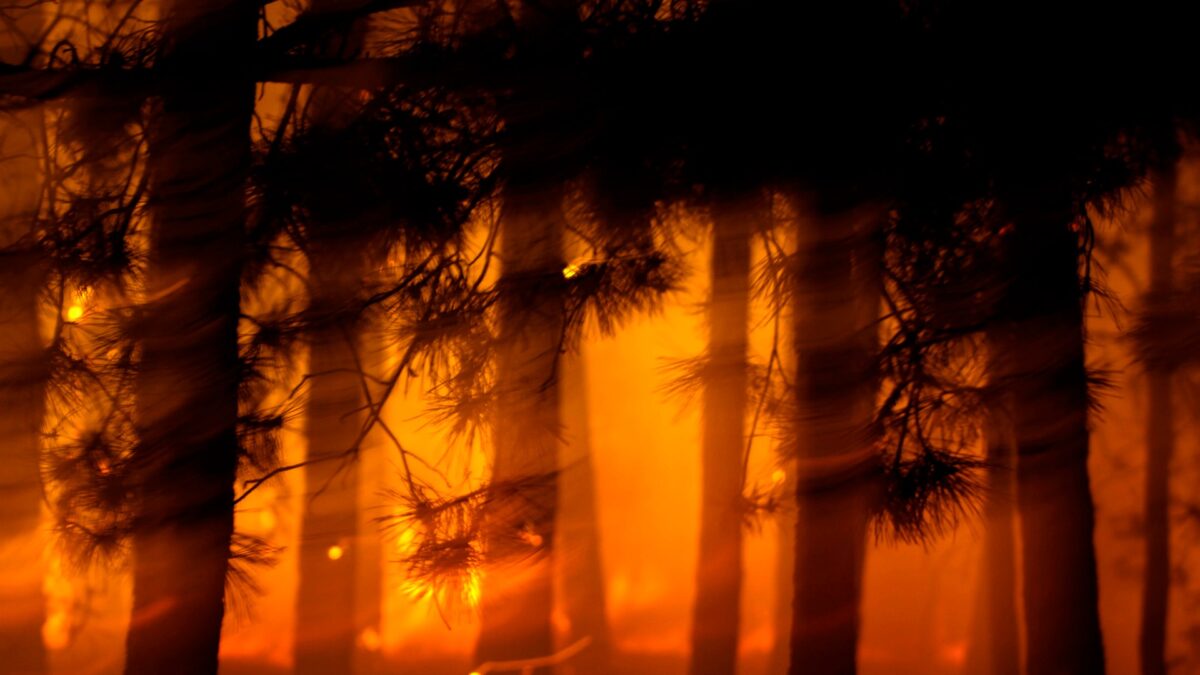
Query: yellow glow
335, 552
266, 520
476, 672
778, 476
56, 631
59, 593
74, 313
529, 536
370, 640
471, 590
415, 589
404, 543
571, 270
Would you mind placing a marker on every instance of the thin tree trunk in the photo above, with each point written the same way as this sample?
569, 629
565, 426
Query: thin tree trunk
1160, 436
327, 599
516, 610
837, 468
785, 566
995, 647
1041, 338
22, 380
715, 615
581, 583
517, 596
188, 379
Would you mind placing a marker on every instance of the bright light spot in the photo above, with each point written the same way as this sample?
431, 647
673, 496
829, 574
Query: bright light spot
59, 594
530, 537
369, 639
335, 552
74, 313
266, 520
560, 621
571, 271
778, 476
56, 631
471, 588
415, 589
475, 672
405, 542
955, 652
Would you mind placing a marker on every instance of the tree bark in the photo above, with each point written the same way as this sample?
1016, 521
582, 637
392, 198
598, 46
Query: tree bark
516, 605
1040, 337
1160, 435
187, 400
715, 615
22, 378
785, 566
838, 467
581, 583
327, 595
328, 598
995, 647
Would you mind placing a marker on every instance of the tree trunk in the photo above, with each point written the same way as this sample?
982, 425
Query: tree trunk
719, 569
1040, 338
327, 614
326, 598
1160, 435
785, 566
22, 379
517, 604
581, 583
995, 647
187, 457
837, 468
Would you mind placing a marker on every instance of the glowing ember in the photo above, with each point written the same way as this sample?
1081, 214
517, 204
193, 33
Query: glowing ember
571, 271
370, 640
335, 552
529, 536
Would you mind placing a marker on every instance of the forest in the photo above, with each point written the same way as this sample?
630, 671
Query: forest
578, 337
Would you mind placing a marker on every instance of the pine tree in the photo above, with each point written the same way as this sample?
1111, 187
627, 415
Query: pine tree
188, 376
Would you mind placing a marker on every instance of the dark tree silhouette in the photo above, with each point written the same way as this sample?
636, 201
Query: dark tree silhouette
574, 85
187, 390
516, 620
1160, 425
715, 614
995, 632
516, 614
581, 570
328, 600
23, 272
836, 481
1048, 391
